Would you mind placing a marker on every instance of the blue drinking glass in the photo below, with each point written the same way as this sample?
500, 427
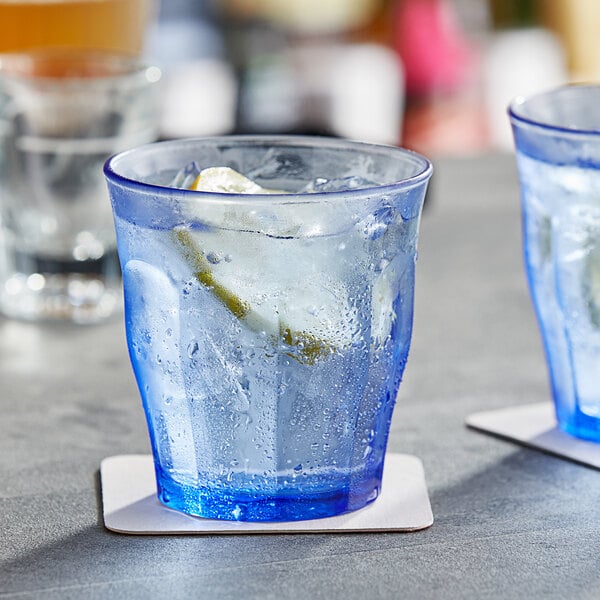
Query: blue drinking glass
269, 332
557, 138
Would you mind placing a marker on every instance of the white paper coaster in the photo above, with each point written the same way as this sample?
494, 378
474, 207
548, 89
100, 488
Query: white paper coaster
131, 506
535, 425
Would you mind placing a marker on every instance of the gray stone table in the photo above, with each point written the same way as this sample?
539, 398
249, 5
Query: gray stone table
509, 523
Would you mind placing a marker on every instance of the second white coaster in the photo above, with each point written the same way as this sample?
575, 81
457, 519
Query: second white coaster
130, 504
535, 425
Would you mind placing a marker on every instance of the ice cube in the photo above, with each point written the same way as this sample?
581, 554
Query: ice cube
259, 287
592, 285
352, 182
299, 217
185, 177
154, 333
577, 261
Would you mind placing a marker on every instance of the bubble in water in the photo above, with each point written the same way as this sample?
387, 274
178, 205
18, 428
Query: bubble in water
214, 257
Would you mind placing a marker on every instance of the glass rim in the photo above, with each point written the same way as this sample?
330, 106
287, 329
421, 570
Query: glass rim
129, 68
423, 173
522, 101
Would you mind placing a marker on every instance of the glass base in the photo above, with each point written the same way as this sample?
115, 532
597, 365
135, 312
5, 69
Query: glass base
88, 293
248, 506
581, 426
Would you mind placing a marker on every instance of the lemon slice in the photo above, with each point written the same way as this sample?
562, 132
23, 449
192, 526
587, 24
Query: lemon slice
305, 346
225, 180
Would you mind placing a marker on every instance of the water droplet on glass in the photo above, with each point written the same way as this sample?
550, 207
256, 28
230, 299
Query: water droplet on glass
377, 223
193, 349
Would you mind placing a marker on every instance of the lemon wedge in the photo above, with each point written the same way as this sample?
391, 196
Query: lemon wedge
305, 347
225, 180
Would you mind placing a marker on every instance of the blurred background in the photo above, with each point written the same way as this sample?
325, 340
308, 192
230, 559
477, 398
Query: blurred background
432, 75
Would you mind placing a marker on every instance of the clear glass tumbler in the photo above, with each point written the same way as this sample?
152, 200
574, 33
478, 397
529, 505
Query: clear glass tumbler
62, 114
268, 333
557, 137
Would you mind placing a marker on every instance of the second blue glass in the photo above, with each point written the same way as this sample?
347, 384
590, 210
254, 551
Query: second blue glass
557, 137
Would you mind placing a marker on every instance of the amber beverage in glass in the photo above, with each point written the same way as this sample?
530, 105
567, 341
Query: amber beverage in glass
115, 25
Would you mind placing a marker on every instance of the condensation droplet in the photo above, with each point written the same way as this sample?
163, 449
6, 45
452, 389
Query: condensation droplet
192, 349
